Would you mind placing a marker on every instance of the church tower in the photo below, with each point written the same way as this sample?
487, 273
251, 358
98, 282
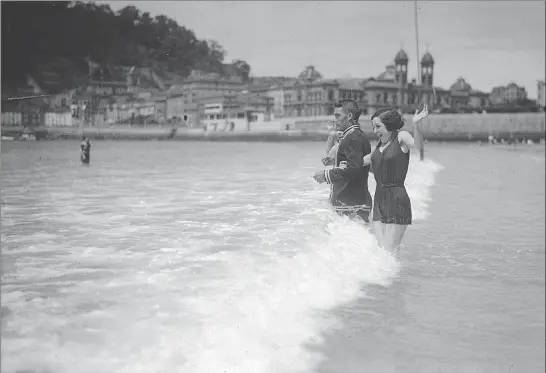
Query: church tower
401, 77
401, 64
427, 70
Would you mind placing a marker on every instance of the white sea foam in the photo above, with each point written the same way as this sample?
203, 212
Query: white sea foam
223, 289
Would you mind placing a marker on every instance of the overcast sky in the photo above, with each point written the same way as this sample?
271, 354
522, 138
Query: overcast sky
488, 43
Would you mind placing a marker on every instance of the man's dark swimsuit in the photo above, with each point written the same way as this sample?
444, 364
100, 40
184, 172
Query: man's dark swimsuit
349, 193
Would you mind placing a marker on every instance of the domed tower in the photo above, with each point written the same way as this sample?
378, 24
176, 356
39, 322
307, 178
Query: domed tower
427, 70
401, 64
309, 75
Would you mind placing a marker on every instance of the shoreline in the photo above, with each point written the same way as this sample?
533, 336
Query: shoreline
183, 134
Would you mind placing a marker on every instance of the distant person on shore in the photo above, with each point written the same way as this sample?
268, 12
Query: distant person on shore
85, 155
349, 194
390, 161
491, 139
512, 140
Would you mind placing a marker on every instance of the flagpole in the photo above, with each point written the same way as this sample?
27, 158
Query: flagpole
417, 44
419, 82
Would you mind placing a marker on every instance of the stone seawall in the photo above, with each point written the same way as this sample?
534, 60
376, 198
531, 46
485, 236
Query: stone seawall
452, 127
479, 126
462, 127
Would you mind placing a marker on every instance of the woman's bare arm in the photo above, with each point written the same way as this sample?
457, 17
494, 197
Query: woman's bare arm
332, 138
408, 141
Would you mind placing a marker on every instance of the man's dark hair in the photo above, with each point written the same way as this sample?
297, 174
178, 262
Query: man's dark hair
350, 106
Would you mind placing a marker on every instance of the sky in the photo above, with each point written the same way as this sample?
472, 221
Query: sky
489, 43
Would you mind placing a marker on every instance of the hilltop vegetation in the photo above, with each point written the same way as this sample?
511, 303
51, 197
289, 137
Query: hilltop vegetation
38, 34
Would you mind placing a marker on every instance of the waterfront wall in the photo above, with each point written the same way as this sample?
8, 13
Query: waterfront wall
455, 127
480, 126
450, 126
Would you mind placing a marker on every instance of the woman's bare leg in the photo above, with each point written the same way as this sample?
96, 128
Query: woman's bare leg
379, 232
394, 233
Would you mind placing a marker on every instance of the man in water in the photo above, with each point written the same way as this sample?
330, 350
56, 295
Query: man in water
85, 154
349, 192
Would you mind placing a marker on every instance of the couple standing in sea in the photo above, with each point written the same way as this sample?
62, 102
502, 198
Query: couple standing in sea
350, 154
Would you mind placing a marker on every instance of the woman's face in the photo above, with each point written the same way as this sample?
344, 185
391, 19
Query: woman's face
380, 130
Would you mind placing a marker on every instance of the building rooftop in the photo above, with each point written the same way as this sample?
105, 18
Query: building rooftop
460, 85
380, 84
427, 59
351, 84
309, 75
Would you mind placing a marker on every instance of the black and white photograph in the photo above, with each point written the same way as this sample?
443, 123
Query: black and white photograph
273, 186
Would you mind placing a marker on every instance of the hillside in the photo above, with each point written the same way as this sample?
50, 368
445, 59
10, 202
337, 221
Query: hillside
37, 35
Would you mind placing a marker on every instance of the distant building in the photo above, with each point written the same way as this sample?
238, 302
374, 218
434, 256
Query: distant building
109, 94
312, 95
307, 95
392, 88
479, 100
184, 97
541, 94
508, 94
217, 112
200, 84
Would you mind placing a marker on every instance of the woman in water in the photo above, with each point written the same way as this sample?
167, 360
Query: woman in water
331, 146
390, 160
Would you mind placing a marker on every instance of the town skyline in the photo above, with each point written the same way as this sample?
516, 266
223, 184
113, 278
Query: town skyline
488, 43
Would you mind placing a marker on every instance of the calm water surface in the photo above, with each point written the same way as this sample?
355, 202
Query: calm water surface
224, 257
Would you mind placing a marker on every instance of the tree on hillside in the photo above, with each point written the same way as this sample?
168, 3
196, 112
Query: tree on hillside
36, 33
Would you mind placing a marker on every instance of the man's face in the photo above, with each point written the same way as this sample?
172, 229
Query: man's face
341, 119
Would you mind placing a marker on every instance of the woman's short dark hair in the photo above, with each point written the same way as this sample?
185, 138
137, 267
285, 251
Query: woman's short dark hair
391, 119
